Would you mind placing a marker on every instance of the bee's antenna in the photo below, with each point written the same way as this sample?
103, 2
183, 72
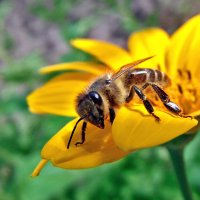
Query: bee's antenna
71, 136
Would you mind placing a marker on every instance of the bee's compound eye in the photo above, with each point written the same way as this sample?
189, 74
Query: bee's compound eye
96, 98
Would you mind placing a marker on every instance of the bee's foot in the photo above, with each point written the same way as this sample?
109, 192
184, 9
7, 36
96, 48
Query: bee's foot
78, 143
156, 117
185, 116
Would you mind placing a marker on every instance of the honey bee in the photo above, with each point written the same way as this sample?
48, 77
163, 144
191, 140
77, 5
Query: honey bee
110, 91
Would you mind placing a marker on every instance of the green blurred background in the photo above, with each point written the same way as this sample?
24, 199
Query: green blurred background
35, 33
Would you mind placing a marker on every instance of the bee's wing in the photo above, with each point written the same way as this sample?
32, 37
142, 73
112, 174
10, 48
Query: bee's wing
128, 67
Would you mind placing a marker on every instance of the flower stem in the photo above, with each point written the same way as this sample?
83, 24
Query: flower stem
177, 158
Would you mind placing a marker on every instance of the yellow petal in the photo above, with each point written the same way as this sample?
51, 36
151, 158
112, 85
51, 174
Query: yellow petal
39, 167
72, 76
89, 67
110, 54
183, 52
136, 129
58, 95
195, 114
149, 42
98, 148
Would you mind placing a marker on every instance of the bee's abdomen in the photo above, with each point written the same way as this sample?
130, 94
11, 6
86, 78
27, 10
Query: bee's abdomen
141, 76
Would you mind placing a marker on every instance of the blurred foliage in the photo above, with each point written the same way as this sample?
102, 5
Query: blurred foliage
143, 175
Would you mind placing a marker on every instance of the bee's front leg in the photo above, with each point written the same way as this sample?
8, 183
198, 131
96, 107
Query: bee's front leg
82, 134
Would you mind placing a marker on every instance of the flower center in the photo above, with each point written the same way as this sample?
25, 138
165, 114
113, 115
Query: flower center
185, 91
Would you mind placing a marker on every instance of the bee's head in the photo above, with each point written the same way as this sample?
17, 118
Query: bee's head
91, 106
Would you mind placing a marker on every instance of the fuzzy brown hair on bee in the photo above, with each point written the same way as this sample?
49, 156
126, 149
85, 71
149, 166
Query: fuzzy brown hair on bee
107, 93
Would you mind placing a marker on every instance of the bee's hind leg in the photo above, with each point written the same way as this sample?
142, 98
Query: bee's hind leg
82, 134
146, 102
171, 106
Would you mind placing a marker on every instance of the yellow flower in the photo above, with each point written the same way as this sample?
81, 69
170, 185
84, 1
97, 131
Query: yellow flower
133, 127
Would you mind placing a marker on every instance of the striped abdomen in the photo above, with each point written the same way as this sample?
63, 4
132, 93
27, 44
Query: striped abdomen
141, 76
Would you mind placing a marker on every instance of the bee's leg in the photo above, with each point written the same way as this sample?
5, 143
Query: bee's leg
145, 86
146, 102
171, 106
131, 95
112, 115
82, 134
